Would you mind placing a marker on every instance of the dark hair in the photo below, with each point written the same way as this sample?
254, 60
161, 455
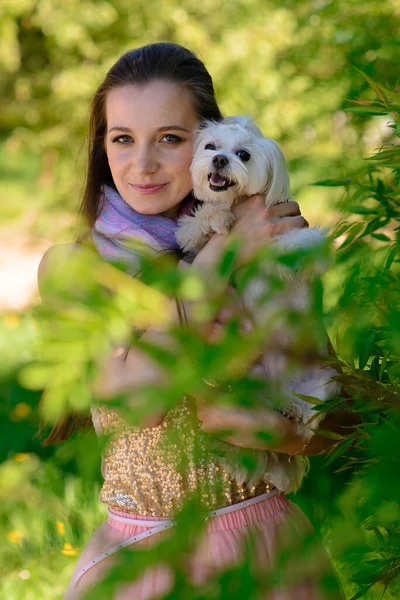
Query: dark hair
161, 61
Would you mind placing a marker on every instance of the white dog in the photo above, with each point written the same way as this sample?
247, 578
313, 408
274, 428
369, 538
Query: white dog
232, 159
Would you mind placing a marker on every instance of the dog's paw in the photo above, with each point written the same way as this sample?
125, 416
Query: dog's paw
222, 221
304, 423
215, 218
189, 234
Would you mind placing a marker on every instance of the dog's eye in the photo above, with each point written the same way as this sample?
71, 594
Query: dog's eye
243, 155
209, 147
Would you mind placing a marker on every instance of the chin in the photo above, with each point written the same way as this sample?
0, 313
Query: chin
150, 206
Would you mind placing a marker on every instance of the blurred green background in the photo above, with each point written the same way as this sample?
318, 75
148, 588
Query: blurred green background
293, 66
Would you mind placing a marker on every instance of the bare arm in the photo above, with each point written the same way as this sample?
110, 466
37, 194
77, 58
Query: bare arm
126, 368
240, 427
256, 227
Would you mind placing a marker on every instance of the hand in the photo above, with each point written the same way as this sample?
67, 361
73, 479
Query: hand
240, 426
232, 309
257, 226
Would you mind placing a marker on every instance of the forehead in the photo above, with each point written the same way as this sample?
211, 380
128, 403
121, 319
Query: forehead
152, 105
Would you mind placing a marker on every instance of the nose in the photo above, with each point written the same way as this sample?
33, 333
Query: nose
146, 161
220, 161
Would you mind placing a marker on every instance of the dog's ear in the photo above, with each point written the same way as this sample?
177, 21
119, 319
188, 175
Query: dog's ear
245, 122
278, 186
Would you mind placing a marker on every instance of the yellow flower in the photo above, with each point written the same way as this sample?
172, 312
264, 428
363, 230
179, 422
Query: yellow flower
15, 536
11, 321
21, 411
60, 527
69, 550
21, 457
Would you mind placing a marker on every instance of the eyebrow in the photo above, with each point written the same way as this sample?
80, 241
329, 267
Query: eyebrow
165, 128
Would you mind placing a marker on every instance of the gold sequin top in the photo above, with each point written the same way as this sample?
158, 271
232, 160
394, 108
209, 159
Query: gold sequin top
150, 471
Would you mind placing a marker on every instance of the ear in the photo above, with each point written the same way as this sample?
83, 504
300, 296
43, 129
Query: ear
245, 122
278, 186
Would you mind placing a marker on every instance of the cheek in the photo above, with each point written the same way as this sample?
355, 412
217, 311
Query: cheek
116, 159
182, 165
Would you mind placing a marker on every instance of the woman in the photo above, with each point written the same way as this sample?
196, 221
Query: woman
138, 183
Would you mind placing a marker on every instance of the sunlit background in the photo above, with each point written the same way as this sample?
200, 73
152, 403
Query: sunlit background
291, 65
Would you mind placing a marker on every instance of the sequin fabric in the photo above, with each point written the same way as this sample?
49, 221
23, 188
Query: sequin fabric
152, 471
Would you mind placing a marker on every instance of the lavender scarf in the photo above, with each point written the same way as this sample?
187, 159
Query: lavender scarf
119, 231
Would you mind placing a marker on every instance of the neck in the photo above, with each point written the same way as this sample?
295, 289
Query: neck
171, 213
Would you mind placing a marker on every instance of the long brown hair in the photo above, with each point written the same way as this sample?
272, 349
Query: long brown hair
161, 61
141, 66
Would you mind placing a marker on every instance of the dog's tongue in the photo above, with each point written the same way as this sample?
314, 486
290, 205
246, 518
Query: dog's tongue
217, 179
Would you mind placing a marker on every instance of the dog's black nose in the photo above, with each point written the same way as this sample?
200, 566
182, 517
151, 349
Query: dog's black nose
220, 161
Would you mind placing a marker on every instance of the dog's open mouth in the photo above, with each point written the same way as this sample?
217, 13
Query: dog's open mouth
218, 183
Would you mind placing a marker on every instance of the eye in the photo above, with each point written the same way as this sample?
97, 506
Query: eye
170, 138
243, 155
122, 139
209, 147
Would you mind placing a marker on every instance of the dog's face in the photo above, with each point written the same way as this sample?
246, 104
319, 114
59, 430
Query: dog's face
233, 159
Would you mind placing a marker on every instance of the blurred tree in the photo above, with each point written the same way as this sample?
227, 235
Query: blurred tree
289, 65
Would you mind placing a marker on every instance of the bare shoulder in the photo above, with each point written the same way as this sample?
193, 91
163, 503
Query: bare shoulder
55, 256
56, 263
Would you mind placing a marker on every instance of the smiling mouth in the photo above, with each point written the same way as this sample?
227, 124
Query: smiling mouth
218, 183
147, 186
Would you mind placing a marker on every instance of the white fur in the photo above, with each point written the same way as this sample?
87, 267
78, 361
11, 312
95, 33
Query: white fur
264, 173
281, 470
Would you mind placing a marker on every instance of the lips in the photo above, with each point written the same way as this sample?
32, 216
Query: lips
218, 183
148, 188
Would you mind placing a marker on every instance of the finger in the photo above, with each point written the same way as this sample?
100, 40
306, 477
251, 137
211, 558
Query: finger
288, 223
256, 199
246, 326
284, 209
216, 333
232, 295
226, 314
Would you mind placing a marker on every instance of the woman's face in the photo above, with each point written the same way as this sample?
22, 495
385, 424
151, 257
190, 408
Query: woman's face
149, 145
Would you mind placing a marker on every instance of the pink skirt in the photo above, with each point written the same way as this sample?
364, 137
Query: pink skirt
276, 524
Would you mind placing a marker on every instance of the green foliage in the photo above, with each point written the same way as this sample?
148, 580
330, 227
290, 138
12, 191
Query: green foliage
365, 320
291, 66
287, 64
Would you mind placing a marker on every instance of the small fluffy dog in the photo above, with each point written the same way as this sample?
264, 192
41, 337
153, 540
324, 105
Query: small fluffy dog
233, 159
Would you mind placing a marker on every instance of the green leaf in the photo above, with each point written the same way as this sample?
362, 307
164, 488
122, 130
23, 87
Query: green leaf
362, 102
352, 234
35, 376
375, 86
392, 254
363, 210
373, 226
331, 435
338, 450
382, 367
309, 399
366, 348
368, 111
229, 258
333, 182
381, 237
